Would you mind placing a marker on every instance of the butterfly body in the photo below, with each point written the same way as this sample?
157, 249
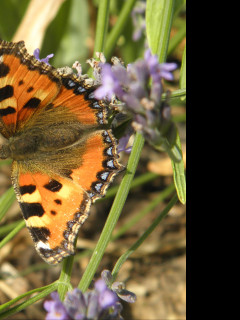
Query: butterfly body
64, 157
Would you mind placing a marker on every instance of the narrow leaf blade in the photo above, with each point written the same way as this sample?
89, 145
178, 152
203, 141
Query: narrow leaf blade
179, 175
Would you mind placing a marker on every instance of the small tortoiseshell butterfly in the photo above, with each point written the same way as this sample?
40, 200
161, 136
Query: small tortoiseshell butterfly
64, 157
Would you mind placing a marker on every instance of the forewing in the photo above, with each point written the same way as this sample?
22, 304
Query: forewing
77, 96
26, 85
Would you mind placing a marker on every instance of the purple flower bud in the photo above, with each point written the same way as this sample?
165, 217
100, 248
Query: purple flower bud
75, 303
100, 303
107, 298
139, 87
151, 60
36, 55
127, 296
55, 308
156, 92
93, 306
107, 277
122, 144
100, 285
159, 71
166, 70
119, 288
110, 84
121, 74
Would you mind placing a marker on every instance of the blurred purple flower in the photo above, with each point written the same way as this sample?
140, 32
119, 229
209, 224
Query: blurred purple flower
142, 101
124, 140
99, 304
112, 81
158, 71
55, 308
36, 55
122, 144
118, 287
165, 70
107, 298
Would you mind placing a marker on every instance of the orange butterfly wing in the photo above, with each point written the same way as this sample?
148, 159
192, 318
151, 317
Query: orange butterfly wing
26, 85
73, 161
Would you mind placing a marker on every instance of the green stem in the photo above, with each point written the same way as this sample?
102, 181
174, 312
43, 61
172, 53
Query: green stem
5, 229
12, 234
114, 214
118, 28
154, 203
138, 181
166, 24
6, 201
65, 277
180, 93
44, 291
182, 81
102, 26
134, 247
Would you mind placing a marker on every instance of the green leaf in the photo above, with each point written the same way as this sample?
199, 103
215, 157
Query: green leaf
43, 292
183, 71
159, 15
66, 36
12, 234
176, 96
102, 26
6, 201
179, 175
123, 23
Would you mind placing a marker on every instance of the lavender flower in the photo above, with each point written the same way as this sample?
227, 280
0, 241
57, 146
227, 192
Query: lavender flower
122, 144
98, 304
118, 287
36, 55
110, 83
56, 310
150, 116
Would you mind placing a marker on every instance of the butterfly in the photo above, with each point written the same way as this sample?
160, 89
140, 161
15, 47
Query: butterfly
64, 155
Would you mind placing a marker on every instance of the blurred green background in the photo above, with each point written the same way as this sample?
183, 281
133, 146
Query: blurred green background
70, 35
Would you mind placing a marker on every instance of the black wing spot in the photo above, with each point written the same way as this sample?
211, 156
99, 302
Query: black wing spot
58, 201
7, 111
53, 186
27, 189
6, 92
30, 89
31, 209
32, 103
4, 70
40, 234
